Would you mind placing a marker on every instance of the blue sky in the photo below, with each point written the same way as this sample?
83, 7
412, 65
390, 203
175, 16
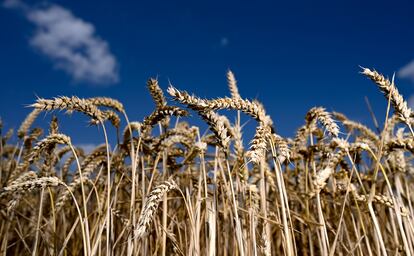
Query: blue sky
291, 55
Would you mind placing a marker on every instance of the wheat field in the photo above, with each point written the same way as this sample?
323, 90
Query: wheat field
168, 187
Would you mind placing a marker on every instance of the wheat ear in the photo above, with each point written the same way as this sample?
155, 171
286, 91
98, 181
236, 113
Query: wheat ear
107, 102
258, 147
28, 121
217, 125
46, 143
18, 189
232, 83
70, 104
390, 91
325, 118
151, 206
156, 92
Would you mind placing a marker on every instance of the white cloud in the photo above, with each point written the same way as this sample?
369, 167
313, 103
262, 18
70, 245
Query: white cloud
70, 42
407, 71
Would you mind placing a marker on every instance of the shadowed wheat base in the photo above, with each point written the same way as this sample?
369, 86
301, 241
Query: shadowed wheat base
170, 188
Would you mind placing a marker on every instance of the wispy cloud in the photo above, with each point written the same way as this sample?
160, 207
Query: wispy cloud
410, 101
224, 41
407, 71
70, 42
87, 147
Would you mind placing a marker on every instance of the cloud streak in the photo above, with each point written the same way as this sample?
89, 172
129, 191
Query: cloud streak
407, 71
224, 41
70, 42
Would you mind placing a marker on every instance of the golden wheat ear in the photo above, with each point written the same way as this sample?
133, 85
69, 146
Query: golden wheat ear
391, 93
70, 104
325, 118
232, 83
156, 92
28, 121
151, 206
